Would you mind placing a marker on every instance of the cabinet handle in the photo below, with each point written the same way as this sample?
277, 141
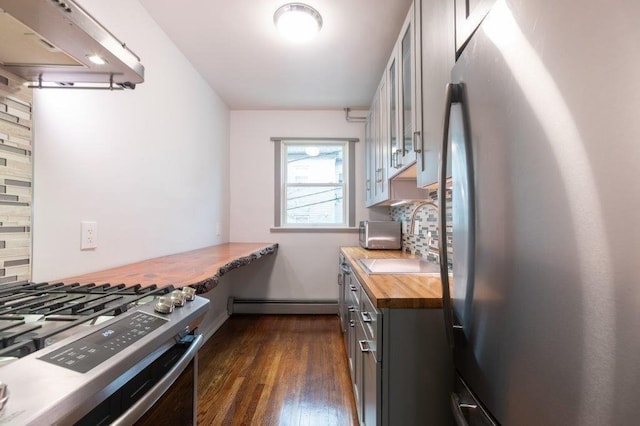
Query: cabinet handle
353, 287
362, 348
417, 147
368, 186
352, 308
397, 153
366, 316
352, 323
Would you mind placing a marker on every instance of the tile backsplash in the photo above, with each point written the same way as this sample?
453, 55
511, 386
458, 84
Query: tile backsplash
16, 172
426, 241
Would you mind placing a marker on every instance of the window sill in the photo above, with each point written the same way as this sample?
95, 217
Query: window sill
318, 229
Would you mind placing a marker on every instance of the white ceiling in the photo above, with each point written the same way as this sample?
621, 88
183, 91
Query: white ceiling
235, 46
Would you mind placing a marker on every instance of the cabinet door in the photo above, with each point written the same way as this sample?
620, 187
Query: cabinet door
375, 185
392, 112
469, 14
381, 187
371, 407
355, 357
358, 386
437, 48
344, 280
408, 97
369, 167
352, 311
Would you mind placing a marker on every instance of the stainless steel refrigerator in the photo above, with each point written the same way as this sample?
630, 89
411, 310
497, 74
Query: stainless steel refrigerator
544, 152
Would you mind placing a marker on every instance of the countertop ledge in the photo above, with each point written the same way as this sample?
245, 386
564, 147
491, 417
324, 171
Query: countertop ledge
398, 291
201, 268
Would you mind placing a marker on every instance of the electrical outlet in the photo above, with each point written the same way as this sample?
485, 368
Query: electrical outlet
88, 235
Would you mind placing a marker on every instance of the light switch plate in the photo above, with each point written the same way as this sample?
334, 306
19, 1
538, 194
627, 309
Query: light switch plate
88, 235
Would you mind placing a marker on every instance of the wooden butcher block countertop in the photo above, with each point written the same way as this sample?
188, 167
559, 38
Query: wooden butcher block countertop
395, 290
200, 268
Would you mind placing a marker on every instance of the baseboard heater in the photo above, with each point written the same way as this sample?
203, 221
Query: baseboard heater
282, 306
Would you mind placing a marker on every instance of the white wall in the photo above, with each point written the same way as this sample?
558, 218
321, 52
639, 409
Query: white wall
306, 264
149, 165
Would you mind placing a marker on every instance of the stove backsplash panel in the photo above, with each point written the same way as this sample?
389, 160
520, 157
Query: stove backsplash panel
16, 177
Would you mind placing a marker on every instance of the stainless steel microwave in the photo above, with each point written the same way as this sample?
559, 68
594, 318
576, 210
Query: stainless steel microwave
381, 234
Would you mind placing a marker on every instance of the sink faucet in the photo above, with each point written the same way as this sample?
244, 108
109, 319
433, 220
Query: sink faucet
415, 212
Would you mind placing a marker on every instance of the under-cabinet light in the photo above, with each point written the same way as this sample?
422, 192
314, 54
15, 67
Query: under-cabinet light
97, 59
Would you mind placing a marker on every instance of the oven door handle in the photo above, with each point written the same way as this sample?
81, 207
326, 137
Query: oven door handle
138, 409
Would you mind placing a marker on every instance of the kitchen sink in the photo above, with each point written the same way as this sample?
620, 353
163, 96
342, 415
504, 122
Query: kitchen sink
399, 266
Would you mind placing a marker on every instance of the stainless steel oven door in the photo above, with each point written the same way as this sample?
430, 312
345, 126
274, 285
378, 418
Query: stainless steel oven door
165, 392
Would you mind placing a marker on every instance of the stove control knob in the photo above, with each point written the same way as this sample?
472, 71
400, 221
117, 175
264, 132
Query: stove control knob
164, 305
189, 293
178, 298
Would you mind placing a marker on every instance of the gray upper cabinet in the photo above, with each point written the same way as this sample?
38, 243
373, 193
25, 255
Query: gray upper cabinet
406, 114
436, 47
392, 113
376, 147
406, 117
369, 167
469, 14
408, 95
381, 187
394, 117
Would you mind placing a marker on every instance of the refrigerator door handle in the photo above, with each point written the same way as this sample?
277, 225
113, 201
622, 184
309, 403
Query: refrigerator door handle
451, 97
462, 191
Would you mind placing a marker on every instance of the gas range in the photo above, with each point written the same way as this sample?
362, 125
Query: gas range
33, 316
67, 348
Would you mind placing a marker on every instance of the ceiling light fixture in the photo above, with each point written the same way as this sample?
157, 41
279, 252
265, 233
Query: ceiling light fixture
297, 22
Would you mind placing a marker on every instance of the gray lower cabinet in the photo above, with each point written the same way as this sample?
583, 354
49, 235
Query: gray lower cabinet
371, 373
417, 372
400, 362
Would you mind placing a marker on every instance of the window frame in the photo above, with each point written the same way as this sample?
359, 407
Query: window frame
348, 184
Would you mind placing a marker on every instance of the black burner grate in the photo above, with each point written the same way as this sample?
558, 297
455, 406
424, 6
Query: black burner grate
32, 313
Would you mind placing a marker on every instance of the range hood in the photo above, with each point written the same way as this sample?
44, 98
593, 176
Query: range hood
54, 43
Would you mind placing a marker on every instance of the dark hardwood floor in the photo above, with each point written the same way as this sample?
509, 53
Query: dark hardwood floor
275, 370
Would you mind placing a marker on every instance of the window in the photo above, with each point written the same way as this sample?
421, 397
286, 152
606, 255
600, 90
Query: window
314, 183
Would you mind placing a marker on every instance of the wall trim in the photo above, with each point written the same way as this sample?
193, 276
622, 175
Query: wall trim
281, 306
